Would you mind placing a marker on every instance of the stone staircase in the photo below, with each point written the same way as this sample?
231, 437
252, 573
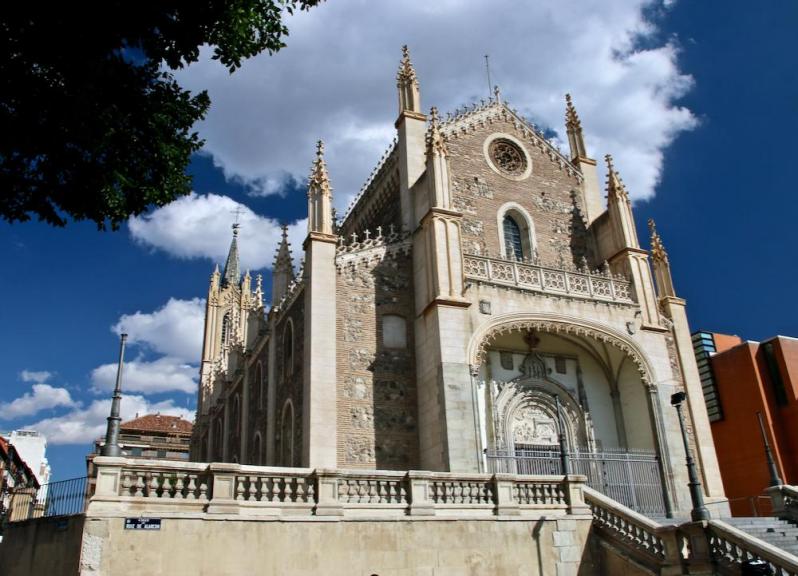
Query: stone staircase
779, 533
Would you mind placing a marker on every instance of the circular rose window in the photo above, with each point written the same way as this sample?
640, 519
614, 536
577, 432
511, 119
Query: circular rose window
507, 157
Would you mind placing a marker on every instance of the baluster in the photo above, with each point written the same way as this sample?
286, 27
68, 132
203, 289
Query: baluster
251, 488
126, 483
240, 487
139, 485
300, 490
191, 491
152, 485
289, 489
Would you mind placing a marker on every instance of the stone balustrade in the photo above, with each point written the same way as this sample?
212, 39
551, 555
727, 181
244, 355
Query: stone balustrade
728, 547
577, 284
126, 484
785, 502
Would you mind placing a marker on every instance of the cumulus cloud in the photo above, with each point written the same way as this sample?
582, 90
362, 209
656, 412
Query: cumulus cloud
35, 376
174, 330
165, 374
190, 227
83, 425
336, 80
41, 397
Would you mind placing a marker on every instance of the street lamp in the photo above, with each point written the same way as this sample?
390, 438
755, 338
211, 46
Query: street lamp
111, 447
775, 480
699, 511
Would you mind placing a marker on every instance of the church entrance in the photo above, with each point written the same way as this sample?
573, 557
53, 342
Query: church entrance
534, 386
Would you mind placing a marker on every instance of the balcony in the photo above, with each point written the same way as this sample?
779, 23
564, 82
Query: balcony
585, 285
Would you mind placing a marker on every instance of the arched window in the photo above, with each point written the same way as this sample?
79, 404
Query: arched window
516, 233
288, 349
513, 246
287, 435
258, 386
394, 331
225, 329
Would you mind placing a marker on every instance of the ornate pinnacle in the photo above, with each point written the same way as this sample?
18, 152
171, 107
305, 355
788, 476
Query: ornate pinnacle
319, 180
406, 74
658, 252
434, 138
571, 117
615, 185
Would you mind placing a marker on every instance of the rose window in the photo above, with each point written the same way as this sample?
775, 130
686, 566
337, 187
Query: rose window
507, 157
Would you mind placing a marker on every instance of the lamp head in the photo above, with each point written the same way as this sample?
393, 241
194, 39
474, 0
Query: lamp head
678, 398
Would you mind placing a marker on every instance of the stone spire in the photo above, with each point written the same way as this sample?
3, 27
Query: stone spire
232, 274
319, 195
434, 138
283, 268
662, 266
620, 208
574, 129
407, 84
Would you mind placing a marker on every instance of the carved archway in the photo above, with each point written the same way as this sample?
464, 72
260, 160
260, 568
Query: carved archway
556, 324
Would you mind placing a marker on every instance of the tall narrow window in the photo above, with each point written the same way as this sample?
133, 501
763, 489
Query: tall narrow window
226, 329
288, 349
513, 246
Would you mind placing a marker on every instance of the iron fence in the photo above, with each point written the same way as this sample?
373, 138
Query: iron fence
64, 498
631, 477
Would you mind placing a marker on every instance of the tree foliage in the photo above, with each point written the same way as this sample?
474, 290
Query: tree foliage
93, 124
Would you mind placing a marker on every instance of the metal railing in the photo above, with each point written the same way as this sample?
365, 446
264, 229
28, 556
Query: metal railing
631, 477
64, 498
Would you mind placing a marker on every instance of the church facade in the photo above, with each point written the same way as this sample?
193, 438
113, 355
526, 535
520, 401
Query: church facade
477, 300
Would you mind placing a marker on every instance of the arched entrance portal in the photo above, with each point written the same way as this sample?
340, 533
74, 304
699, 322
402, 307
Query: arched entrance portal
608, 411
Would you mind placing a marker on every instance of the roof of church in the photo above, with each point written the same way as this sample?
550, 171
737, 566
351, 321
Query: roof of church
158, 423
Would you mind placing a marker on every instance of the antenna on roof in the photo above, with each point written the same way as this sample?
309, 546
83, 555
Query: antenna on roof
487, 69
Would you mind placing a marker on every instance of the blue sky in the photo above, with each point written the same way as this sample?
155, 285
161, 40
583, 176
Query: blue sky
697, 102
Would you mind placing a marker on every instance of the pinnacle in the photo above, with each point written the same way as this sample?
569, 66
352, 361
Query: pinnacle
571, 117
319, 179
434, 138
658, 251
406, 71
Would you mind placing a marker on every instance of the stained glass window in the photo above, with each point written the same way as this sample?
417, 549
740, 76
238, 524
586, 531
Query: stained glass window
512, 239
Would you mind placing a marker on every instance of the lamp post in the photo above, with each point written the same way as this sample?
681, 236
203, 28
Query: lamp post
111, 447
699, 511
775, 480
565, 462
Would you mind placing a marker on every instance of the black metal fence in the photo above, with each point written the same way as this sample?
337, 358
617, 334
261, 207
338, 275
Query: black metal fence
631, 477
64, 498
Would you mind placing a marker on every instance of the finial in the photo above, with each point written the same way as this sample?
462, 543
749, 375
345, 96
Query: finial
284, 228
406, 71
497, 93
320, 148
434, 138
658, 252
571, 117
319, 180
608, 159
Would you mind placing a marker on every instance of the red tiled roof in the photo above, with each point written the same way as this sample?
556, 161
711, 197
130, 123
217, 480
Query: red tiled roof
158, 423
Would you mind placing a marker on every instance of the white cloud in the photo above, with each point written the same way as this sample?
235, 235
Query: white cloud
336, 80
194, 226
174, 330
83, 425
41, 397
165, 374
35, 376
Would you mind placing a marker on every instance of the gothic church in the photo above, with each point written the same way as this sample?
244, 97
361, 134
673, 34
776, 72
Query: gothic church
478, 299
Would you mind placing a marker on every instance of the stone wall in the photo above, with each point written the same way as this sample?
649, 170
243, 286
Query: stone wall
377, 406
550, 195
47, 546
289, 379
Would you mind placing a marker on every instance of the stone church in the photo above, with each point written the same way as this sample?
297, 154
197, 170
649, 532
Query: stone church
478, 300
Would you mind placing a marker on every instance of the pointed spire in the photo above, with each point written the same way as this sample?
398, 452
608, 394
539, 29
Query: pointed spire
615, 188
283, 268
658, 252
319, 195
319, 180
573, 126
662, 266
232, 273
283, 255
434, 138
407, 84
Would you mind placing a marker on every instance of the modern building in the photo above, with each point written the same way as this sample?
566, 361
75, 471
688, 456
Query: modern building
32, 446
477, 293
153, 436
15, 475
742, 379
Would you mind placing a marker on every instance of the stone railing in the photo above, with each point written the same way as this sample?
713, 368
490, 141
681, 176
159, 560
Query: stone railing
652, 544
586, 285
710, 547
126, 485
729, 547
785, 502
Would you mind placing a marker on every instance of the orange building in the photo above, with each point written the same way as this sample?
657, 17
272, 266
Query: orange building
741, 378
